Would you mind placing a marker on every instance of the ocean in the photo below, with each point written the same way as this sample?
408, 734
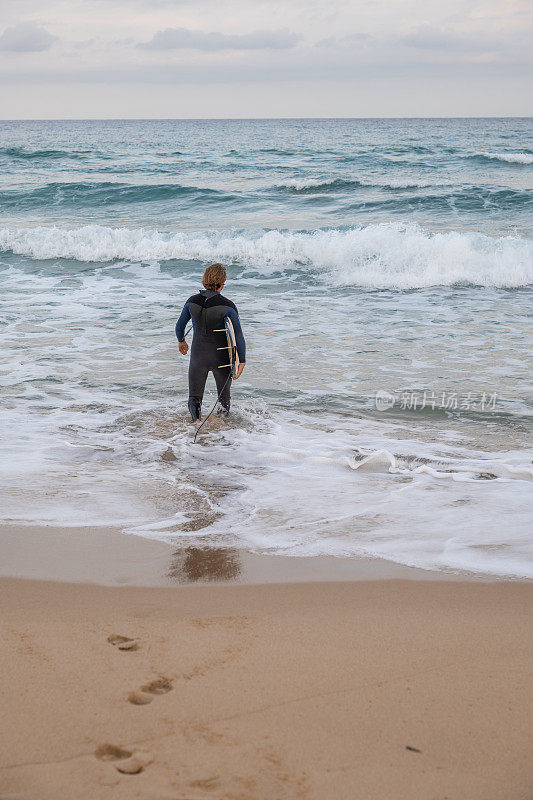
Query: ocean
382, 270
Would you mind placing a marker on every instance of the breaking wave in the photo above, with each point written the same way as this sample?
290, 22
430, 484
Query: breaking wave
387, 255
509, 158
318, 185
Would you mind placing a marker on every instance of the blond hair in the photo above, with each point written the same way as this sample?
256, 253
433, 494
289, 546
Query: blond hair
214, 277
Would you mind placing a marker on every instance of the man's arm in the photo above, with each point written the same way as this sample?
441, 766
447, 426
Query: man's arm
182, 322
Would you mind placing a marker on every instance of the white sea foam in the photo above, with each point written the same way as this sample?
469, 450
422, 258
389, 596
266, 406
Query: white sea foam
388, 255
304, 184
300, 184
394, 183
302, 492
510, 158
283, 485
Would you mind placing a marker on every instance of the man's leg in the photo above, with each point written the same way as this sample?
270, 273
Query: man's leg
223, 386
197, 378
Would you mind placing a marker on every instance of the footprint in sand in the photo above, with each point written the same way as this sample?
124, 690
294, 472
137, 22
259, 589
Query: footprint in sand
123, 642
146, 693
128, 762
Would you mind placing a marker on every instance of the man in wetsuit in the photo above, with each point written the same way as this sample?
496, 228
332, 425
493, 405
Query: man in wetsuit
208, 310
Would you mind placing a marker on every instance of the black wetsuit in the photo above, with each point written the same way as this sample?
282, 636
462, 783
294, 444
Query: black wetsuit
208, 310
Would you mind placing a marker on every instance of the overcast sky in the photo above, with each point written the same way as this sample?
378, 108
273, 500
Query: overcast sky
265, 58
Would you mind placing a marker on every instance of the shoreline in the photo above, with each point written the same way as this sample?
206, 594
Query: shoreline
109, 557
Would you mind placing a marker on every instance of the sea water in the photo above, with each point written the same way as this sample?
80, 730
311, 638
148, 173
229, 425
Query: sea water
382, 270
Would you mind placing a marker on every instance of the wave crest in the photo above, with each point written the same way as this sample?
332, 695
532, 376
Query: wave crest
323, 185
387, 255
509, 158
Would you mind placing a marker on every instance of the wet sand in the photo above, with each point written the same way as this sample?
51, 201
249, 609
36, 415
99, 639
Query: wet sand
109, 557
371, 689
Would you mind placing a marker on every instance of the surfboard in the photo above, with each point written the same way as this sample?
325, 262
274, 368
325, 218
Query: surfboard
231, 348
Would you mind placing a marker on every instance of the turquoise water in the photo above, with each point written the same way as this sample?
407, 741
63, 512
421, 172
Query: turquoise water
383, 271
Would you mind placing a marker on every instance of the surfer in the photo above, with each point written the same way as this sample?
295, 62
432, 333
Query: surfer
209, 353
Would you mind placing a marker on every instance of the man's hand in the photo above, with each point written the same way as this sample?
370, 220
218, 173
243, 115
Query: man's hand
184, 348
240, 369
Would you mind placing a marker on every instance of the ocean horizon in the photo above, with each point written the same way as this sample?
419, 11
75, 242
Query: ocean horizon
253, 119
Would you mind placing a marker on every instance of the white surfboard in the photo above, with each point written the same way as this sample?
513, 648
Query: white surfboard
231, 348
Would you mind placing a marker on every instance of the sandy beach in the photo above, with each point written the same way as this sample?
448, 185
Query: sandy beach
373, 689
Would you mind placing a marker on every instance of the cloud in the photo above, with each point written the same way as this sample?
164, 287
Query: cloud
431, 37
26, 37
351, 40
309, 67
182, 38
